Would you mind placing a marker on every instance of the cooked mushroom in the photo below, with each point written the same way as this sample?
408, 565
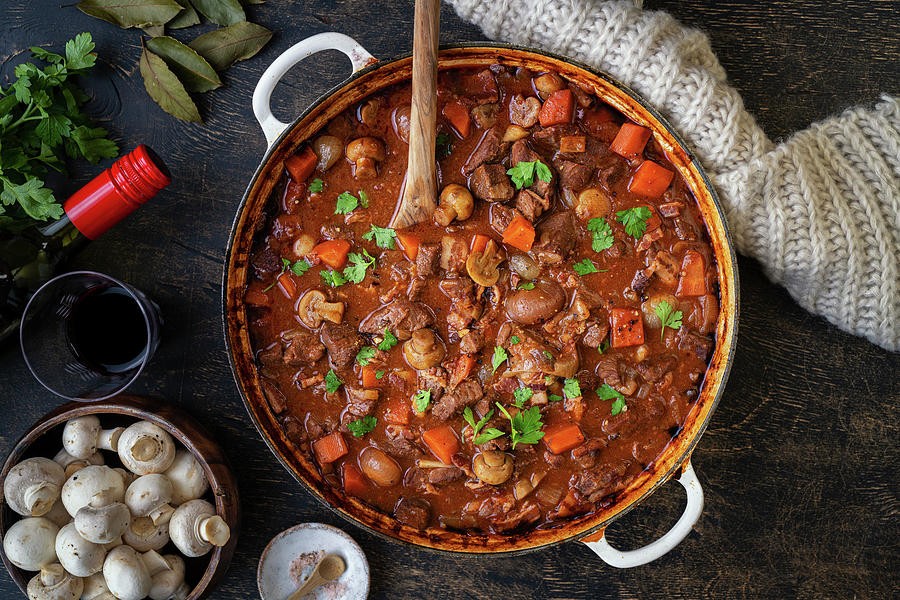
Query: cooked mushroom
195, 528
29, 543
143, 534
95, 588
455, 203
32, 486
83, 436
548, 83
492, 466
188, 479
146, 448
485, 115
168, 584
303, 245
400, 119
71, 464
79, 556
313, 309
379, 467
328, 148
126, 575
54, 583
591, 203
364, 152
482, 266
368, 111
525, 266
423, 350
514, 133
537, 304
97, 484
102, 524
149, 496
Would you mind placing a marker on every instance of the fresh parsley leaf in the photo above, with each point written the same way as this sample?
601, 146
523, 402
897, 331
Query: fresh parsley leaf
528, 285
317, 185
607, 392
571, 388
548, 379
332, 382
362, 426
601, 232
389, 341
525, 427
356, 271
491, 433
363, 199
586, 267
603, 347
300, 267
523, 173
521, 395
548, 355
384, 236
365, 354
554, 398
634, 220
421, 400
442, 145
514, 340
499, 358
379, 374
346, 203
476, 427
333, 278
670, 317
618, 406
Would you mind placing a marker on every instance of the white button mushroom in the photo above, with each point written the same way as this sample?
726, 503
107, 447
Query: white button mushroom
95, 588
72, 464
149, 496
102, 524
29, 543
188, 479
32, 486
97, 485
83, 436
58, 515
125, 574
144, 535
195, 528
127, 476
79, 556
54, 583
168, 584
146, 448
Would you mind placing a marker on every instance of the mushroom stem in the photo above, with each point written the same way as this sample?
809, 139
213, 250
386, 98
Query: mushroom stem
40, 497
109, 439
214, 530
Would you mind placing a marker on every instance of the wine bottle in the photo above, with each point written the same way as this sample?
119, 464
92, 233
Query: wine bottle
31, 257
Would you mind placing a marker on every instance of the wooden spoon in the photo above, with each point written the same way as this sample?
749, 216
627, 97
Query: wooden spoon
329, 568
420, 192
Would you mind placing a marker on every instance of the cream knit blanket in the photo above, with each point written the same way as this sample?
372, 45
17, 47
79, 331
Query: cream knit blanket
820, 211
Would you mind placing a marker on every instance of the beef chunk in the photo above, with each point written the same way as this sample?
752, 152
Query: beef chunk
530, 204
266, 263
457, 287
444, 475
599, 483
454, 252
666, 267
490, 148
653, 369
521, 152
500, 217
554, 460
684, 229
414, 512
303, 349
595, 335
463, 311
336, 232
428, 260
524, 111
485, 116
527, 513
485, 87
472, 342
274, 396
399, 441
401, 317
573, 175
641, 280
433, 380
700, 345
342, 342
556, 239
671, 209
490, 183
360, 401
466, 393
608, 370
550, 136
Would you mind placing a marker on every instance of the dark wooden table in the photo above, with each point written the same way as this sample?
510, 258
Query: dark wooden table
799, 464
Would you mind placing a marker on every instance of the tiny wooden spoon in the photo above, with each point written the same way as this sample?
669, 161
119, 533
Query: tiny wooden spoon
329, 568
420, 193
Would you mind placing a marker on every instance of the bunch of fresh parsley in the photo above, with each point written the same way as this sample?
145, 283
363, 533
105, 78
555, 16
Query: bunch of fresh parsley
41, 124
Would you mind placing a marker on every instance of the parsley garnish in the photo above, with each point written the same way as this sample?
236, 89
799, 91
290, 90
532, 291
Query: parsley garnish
523, 173
362, 426
670, 318
603, 347
571, 388
548, 355
548, 379
346, 203
317, 185
384, 236
634, 220
491, 433
442, 145
499, 358
602, 234
365, 354
528, 285
389, 341
363, 199
521, 395
607, 392
514, 340
333, 278
356, 272
586, 267
554, 397
332, 382
422, 399
525, 426
298, 268
379, 374
476, 427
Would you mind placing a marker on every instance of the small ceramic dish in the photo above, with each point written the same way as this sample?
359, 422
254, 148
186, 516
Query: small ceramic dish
44, 438
293, 554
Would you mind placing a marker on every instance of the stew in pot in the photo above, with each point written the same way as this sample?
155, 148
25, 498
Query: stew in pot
521, 358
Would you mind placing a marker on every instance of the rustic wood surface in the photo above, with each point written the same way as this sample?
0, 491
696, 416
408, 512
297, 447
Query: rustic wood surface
799, 464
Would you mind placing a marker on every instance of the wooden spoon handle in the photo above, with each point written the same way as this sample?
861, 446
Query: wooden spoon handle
420, 192
314, 581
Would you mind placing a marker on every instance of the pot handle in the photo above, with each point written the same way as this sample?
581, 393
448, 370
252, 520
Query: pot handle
632, 558
262, 95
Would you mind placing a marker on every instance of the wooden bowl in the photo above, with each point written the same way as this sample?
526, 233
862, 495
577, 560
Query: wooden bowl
44, 438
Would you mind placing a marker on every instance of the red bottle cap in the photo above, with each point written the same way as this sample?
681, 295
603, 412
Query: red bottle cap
117, 192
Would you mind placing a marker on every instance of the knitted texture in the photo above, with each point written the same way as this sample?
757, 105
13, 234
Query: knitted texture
820, 211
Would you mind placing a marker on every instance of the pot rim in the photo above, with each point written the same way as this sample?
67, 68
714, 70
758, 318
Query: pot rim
734, 315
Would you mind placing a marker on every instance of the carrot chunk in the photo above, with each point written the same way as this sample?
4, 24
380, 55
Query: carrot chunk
650, 180
409, 244
563, 437
519, 233
479, 243
558, 108
354, 481
630, 140
301, 165
330, 448
368, 376
692, 281
286, 285
397, 410
458, 116
626, 327
333, 253
442, 442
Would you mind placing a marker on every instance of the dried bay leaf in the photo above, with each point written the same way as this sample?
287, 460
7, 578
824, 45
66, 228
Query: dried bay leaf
155, 30
224, 47
221, 12
164, 88
191, 69
186, 18
131, 13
